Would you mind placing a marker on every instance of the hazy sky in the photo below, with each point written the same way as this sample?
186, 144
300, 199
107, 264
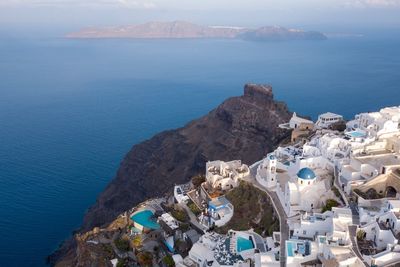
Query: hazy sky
327, 15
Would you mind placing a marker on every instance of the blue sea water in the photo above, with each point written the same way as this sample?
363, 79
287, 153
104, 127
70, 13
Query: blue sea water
71, 109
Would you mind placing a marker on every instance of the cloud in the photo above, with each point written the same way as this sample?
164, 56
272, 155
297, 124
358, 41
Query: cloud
206, 4
144, 4
137, 4
373, 3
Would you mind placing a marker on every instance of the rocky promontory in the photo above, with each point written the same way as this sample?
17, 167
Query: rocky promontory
244, 127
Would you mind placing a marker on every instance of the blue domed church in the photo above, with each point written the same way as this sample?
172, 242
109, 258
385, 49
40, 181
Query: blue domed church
302, 192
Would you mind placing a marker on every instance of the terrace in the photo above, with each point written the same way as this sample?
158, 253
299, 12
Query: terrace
367, 247
298, 248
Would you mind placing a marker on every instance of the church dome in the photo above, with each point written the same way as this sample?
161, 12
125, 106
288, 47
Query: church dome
306, 174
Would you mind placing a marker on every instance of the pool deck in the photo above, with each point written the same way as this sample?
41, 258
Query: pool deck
144, 218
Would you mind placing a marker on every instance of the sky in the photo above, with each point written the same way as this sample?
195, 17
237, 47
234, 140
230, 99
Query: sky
60, 16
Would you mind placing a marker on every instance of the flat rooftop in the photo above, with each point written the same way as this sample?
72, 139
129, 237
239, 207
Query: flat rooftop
380, 160
219, 202
329, 115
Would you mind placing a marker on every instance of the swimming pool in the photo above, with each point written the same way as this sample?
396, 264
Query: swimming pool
356, 134
243, 244
145, 219
289, 248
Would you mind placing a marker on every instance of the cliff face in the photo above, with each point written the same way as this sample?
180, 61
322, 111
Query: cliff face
244, 127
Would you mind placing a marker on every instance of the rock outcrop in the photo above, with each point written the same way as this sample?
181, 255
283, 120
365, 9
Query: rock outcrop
244, 127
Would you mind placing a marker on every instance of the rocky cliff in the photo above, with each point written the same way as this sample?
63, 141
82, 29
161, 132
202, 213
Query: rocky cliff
244, 127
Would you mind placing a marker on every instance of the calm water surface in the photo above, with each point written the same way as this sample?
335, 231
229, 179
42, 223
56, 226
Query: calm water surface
70, 110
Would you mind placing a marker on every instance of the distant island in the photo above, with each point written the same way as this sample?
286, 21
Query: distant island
186, 30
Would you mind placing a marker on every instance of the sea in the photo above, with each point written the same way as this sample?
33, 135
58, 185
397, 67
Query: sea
71, 109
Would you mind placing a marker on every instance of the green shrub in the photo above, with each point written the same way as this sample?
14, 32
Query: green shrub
330, 203
184, 227
193, 207
121, 263
122, 244
180, 215
169, 261
360, 235
336, 192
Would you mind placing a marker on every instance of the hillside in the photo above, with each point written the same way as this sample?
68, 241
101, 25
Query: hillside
244, 127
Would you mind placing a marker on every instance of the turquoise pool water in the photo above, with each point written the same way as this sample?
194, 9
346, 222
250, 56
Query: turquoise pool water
356, 134
244, 244
145, 218
289, 248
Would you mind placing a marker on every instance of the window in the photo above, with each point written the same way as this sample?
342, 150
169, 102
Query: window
301, 182
304, 232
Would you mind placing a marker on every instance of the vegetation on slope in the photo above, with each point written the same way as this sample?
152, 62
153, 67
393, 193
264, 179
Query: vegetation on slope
253, 209
122, 244
330, 203
198, 180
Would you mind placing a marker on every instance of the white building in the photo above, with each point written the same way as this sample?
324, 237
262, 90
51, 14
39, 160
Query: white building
296, 121
366, 156
299, 251
266, 171
368, 168
381, 236
342, 218
339, 256
235, 249
225, 175
169, 220
302, 192
180, 193
329, 146
377, 123
312, 225
327, 119
220, 212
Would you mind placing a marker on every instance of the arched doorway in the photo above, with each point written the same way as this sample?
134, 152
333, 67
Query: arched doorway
390, 191
372, 194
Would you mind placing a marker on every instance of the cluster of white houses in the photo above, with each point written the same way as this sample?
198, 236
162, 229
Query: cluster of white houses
358, 170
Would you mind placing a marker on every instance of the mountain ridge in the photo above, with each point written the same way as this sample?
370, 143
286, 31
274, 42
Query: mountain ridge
186, 30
